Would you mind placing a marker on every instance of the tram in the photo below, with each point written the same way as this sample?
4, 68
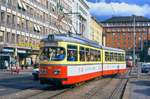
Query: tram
69, 59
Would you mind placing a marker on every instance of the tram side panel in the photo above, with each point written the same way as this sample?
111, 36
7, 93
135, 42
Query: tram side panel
112, 67
80, 73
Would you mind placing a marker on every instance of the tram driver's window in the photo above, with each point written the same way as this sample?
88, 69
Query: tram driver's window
72, 53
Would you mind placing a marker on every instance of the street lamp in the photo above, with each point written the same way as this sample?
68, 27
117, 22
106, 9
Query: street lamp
134, 35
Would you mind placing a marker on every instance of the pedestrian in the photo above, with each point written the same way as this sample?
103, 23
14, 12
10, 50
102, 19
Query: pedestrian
17, 67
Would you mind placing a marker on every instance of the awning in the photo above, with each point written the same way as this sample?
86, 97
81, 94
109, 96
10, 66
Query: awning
35, 27
39, 29
7, 50
1, 33
19, 4
21, 51
24, 6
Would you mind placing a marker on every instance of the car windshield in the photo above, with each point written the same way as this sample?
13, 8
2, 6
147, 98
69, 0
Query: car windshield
52, 53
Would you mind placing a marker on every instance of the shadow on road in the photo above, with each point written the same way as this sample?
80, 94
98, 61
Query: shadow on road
143, 91
141, 82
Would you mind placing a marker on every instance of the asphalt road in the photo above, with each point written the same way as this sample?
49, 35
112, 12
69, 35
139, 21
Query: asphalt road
14, 83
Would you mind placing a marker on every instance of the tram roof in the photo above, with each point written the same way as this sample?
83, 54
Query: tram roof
76, 39
70, 38
112, 49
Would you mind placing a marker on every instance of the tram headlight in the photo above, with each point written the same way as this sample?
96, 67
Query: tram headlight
57, 72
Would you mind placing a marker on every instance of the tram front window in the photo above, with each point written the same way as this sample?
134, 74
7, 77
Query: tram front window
52, 54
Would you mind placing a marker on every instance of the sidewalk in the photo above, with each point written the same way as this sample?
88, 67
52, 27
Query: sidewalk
137, 89
7, 73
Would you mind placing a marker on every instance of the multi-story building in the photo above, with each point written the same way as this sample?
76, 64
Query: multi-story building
24, 22
96, 31
120, 31
81, 18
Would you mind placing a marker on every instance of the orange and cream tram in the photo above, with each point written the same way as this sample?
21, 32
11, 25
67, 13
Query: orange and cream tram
67, 60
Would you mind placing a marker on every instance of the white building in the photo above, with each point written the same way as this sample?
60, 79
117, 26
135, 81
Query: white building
81, 21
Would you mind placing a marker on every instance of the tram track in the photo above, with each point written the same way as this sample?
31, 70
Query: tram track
119, 90
93, 91
86, 91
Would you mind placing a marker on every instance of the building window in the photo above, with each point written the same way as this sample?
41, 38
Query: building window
118, 37
1, 36
13, 19
17, 38
27, 24
23, 23
2, 16
8, 19
7, 37
18, 22
13, 38
118, 43
3, 1
9, 2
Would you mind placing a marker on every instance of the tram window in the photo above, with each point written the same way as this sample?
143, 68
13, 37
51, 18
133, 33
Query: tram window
93, 55
87, 58
115, 56
122, 57
72, 53
119, 57
107, 56
44, 54
82, 54
98, 56
111, 57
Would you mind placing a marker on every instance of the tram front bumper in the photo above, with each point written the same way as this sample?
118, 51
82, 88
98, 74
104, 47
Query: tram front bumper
53, 81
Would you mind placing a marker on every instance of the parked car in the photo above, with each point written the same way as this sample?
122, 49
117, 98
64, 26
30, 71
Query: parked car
145, 67
35, 73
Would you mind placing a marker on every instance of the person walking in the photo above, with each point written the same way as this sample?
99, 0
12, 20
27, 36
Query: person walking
6, 65
17, 67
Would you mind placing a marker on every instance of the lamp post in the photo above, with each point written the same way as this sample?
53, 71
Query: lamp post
134, 44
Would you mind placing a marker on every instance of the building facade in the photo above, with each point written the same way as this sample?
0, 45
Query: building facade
120, 30
24, 22
81, 18
96, 31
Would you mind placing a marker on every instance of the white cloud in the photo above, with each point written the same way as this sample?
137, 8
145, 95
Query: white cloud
123, 9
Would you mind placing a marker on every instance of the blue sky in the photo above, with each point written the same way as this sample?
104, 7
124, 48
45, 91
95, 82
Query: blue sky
103, 9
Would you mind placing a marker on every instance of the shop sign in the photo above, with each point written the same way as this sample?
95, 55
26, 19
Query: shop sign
23, 44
